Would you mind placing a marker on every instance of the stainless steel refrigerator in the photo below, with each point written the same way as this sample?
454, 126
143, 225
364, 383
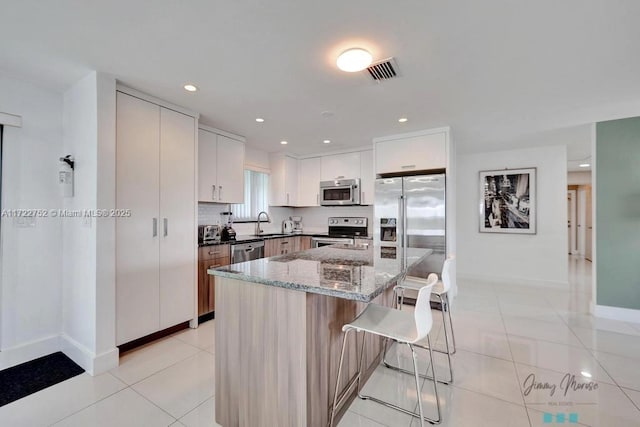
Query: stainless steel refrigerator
410, 212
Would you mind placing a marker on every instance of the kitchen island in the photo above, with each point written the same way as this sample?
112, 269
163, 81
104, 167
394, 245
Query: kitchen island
278, 330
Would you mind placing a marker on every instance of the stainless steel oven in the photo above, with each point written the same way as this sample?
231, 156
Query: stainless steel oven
342, 230
341, 192
318, 242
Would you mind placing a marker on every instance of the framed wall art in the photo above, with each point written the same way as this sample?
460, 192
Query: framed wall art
508, 201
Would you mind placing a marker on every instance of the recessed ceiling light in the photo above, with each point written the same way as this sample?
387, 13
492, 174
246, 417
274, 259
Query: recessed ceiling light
586, 374
190, 88
327, 141
402, 119
259, 120
353, 60
283, 142
585, 165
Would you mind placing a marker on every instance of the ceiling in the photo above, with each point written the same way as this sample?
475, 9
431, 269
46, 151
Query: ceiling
493, 70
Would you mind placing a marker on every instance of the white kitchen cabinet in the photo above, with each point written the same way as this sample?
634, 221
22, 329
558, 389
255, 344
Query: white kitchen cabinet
367, 177
283, 181
220, 168
155, 246
340, 166
416, 152
309, 182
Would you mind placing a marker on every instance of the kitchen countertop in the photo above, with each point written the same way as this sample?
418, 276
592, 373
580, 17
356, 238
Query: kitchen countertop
254, 238
344, 271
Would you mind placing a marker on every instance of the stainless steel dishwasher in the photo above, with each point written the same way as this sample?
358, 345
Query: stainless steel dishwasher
242, 252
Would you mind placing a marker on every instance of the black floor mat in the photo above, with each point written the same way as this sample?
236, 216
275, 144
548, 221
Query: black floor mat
35, 375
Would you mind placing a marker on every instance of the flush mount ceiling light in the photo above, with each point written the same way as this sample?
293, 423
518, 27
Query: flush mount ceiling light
283, 142
190, 88
584, 165
259, 120
353, 60
327, 141
402, 119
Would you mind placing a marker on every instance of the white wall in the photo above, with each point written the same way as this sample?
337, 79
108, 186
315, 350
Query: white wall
89, 292
525, 259
579, 178
31, 280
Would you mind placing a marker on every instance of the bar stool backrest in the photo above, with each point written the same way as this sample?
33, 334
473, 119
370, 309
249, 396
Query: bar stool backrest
422, 313
449, 264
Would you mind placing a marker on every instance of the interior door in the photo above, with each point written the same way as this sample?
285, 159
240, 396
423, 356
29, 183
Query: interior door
137, 241
177, 214
588, 254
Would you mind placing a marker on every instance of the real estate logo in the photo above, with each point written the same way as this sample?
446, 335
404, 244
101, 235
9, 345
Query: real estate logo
570, 393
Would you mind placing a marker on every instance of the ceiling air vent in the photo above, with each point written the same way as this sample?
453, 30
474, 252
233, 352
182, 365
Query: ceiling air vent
383, 70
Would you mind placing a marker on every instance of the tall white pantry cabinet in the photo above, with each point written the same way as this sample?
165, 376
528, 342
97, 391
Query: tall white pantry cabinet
155, 246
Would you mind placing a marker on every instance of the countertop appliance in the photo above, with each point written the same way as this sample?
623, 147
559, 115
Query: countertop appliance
297, 224
208, 233
340, 192
227, 234
242, 252
287, 226
410, 213
342, 230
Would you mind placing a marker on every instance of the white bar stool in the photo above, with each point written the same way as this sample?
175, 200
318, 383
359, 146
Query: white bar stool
403, 327
441, 292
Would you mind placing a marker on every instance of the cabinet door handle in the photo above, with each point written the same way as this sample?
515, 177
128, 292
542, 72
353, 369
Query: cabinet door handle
284, 243
214, 253
220, 192
155, 227
409, 167
213, 192
166, 227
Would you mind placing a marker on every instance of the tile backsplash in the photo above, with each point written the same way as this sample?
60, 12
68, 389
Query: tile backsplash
314, 219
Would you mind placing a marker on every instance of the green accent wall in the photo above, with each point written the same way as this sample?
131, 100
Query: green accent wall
618, 213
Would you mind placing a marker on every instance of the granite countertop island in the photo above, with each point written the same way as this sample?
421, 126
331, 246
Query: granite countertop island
343, 271
278, 331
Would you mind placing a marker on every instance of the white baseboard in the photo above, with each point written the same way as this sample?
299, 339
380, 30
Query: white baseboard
88, 360
32, 350
516, 281
617, 313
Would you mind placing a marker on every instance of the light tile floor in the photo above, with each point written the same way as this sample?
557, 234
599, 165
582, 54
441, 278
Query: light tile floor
505, 335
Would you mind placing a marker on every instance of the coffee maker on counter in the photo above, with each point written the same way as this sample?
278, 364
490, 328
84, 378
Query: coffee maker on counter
227, 233
297, 224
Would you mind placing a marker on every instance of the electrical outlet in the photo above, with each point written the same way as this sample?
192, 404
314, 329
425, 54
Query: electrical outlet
24, 221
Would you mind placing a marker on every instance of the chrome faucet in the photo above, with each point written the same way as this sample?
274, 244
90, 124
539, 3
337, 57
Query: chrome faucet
259, 231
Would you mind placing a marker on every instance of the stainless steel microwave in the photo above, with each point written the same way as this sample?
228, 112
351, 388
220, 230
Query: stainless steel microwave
341, 192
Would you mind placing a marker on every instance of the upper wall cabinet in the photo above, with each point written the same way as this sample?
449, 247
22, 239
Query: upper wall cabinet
411, 152
309, 182
340, 166
283, 181
220, 168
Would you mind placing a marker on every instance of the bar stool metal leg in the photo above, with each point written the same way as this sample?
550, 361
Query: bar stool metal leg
417, 376
453, 335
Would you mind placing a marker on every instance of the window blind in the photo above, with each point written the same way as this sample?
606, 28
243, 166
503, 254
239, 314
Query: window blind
256, 196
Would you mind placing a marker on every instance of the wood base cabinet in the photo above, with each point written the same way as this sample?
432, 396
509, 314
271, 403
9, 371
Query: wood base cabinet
210, 257
155, 245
